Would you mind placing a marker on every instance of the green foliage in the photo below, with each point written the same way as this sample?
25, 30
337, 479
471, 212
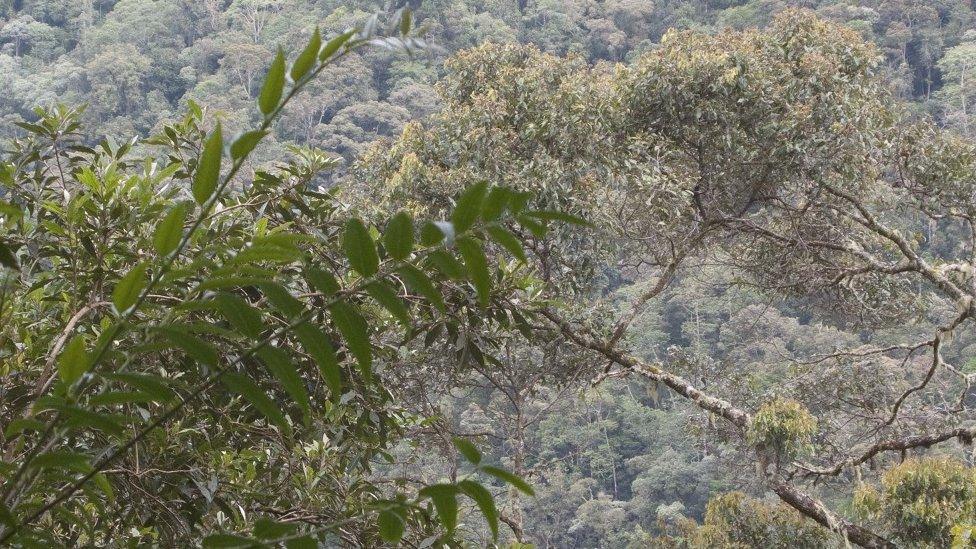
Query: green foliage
784, 427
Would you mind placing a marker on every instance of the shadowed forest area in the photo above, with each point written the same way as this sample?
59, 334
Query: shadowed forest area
514, 273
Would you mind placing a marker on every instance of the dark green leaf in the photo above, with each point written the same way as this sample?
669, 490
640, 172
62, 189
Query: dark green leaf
308, 56
281, 366
114, 398
282, 299
147, 383
398, 238
486, 503
317, 345
508, 241
170, 231
79, 417
469, 206
510, 478
241, 315
194, 347
477, 265
22, 424
274, 83
322, 281
559, 216
468, 450
359, 248
268, 529
353, 327
243, 145
128, 289
419, 282
62, 459
74, 360
208, 168
405, 20
225, 541
257, 397
391, 526
388, 298
7, 256
495, 203
447, 264
444, 497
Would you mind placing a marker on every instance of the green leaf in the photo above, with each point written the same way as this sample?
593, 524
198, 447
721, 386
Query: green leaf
417, 281
241, 315
243, 145
265, 528
194, 347
74, 360
62, 459
359, 248
482, 497
436, 232
114, 398
351, 324
508, 241
405, 21
447, 264
537, 229
332, 46
282, 299
398, 238
170, 231
391, 526
388, 298
510, 478
6, 517
444, 497
257, 397
322, 281
79, 417
468, 450
558, 216
128, 289
281, 366
316, 344
227, 541
477, 265
304, 542
495, 203
7, 256
469, 207
274, 83
306, 59
147, 383
22, 424
208, 169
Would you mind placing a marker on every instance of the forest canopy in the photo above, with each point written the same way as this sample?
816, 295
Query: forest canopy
595, 274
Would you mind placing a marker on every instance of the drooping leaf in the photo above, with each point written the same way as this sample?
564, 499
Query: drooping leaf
282, 300
265, 528
482, 497
418, 282
127, 291
283, 369
208, 168
74, 360
194, 347
305, 60
510, 478
388, 298
150, 384
359, 248
274, 83
444, 497
468, 450
398, 237
469, 207
322, 281
447, 264
508, 241
552, 215
477, 265
391, 526
353, 328
170, 231
495, 203
243, 145
257, 397
7, 256
61, 459
242, 316
316, 344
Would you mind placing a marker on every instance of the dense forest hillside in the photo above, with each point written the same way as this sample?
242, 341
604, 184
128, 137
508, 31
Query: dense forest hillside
716, 246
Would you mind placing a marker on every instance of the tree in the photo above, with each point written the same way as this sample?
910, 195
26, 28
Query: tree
186, 358
728, 148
